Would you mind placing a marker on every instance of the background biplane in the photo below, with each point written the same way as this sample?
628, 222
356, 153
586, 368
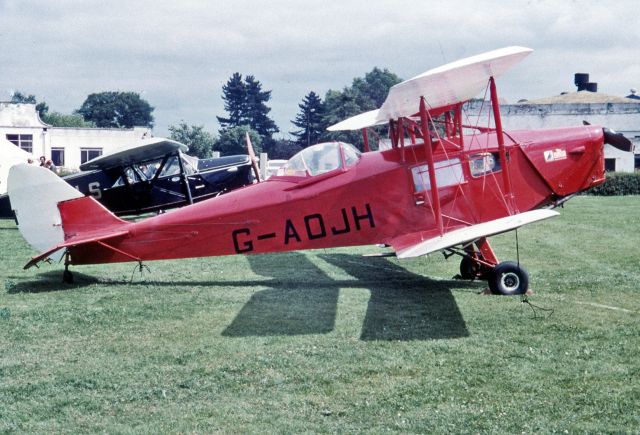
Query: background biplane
445, 184
155, 175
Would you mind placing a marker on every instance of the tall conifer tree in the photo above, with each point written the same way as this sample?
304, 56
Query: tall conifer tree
310, 120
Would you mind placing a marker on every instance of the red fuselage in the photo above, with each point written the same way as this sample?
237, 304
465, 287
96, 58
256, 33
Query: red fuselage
381, 198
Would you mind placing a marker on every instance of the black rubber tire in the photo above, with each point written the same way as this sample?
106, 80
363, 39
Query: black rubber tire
467, 270
508, 279
471, 270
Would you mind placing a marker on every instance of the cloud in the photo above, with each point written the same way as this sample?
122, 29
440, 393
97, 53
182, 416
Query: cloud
179, 54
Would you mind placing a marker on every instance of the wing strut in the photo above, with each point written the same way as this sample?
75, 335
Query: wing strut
185, 179
504, 156
428, 147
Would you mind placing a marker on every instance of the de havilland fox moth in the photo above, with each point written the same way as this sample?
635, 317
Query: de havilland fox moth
442, 185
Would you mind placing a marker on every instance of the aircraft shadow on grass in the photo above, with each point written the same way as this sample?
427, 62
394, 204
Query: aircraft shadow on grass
303, 299
48, 282
402, 305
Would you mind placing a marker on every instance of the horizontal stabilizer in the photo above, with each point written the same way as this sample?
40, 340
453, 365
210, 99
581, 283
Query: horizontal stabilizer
449, 84
474, 232
75, 242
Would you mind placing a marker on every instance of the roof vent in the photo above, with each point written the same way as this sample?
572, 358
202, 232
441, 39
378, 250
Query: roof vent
580, 80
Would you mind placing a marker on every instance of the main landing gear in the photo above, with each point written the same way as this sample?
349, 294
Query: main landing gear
479, 262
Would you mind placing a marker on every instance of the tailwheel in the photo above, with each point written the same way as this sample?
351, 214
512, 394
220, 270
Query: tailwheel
472, 269
508, 278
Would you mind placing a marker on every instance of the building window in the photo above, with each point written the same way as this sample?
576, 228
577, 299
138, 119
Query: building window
87, 154
57, 156
610, 165
22, 141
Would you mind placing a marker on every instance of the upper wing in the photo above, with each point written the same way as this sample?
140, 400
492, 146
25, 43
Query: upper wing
470, 233
443, 86
149, 149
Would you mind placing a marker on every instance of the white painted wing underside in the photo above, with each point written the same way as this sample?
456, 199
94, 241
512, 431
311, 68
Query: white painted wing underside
147, 149
474, 232
448, 84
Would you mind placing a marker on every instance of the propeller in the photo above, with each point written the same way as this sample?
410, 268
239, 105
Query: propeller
252, 156
615, 139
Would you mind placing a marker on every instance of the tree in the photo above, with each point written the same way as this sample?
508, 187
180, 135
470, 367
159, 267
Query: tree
199, 141
257, 111
232, 140
365, 93
282, 149
340, 105
310, 120
57, 119
234, 94
117, 110
245, 102
372, 90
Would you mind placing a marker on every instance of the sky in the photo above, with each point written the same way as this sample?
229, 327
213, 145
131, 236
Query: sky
178, 54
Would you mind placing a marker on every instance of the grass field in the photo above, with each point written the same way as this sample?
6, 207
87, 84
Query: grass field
330, 341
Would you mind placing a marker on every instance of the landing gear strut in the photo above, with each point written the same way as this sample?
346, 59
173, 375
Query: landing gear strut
472, 269
67, 276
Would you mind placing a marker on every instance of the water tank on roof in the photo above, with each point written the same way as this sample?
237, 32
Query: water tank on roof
591, 87
580, 80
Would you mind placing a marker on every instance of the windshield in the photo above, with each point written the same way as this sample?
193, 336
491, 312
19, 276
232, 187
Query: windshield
321, 158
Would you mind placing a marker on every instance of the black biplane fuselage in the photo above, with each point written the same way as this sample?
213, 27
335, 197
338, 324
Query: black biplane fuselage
134, 183
164, 183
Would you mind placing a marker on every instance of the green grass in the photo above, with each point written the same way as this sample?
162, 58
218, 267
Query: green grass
330, 341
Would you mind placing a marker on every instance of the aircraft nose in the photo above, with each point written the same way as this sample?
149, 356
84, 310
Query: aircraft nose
615, 139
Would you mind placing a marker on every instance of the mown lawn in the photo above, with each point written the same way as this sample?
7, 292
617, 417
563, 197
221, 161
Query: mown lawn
330, 341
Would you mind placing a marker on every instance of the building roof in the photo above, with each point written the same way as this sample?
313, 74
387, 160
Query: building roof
582, 97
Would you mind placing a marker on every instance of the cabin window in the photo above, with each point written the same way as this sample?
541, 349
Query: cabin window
87, 154
149, 169
448, 173
57, 156
172, 167
130, 174
483, 163
319, 159
189, 163
22, 141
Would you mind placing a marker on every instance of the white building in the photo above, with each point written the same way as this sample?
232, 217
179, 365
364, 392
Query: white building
67, 147
571, 109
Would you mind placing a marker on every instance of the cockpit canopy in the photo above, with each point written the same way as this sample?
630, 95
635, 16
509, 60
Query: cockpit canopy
320, 158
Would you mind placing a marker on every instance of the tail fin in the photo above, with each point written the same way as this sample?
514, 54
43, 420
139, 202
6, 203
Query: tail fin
49, 211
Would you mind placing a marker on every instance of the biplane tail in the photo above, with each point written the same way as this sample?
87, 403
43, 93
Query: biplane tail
52, 215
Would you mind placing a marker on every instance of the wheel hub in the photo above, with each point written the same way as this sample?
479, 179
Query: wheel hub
510, 281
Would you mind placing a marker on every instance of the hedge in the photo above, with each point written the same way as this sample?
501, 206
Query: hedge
618, 183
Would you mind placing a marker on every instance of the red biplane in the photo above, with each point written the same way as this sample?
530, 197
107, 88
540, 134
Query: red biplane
443, 184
